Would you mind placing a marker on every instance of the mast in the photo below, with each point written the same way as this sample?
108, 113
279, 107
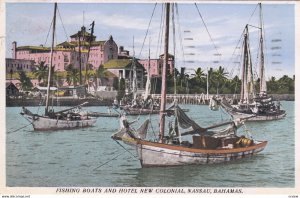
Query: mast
89, 49
134, 83
51, 60
263, 84
244, 68
148, 82
79, 54
207, 85
164, 75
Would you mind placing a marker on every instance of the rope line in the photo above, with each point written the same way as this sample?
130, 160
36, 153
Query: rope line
207, 29
147, 30
62, 24
48, 33
20, 128
126, 149
108, 161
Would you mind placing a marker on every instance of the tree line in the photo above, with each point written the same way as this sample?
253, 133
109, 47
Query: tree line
218, 80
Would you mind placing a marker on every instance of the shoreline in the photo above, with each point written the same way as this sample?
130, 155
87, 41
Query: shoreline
62, 101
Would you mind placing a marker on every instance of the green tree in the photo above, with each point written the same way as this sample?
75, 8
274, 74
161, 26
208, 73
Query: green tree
200, 75
116, 83
73, 75
41, 73
121, 90
100, 74
272, 85
220, 77
25, 81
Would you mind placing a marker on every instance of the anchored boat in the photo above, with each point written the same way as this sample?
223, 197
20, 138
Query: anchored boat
207, 147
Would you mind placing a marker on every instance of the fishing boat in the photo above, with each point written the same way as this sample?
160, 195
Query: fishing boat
65, 119
259, 104
143, 105
207, 146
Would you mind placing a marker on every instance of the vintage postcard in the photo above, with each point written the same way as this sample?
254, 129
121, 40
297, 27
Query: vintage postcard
127, 98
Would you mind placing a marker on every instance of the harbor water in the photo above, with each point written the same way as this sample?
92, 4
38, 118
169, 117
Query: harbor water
89, 157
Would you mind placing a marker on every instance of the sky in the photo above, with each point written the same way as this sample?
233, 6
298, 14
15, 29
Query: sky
29, 24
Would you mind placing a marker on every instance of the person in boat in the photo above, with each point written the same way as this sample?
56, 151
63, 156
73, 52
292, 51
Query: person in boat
125, 124
278, 105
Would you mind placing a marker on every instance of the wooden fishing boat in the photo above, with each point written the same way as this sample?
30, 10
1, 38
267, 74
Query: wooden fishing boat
207, 147
251, 102
66, 119
159, 154
58, 120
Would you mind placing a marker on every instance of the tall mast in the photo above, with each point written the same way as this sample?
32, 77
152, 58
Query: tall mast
207, 76
148, 82
263, 84
79, 54
88, 54
164, 75
51, 59
134, 83
244, 68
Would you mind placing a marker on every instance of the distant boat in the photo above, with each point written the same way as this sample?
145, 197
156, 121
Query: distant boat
66, 119
140, 105
260, 105
208, 147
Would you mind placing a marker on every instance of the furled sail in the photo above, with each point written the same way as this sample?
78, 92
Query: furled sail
140, 133
185, 122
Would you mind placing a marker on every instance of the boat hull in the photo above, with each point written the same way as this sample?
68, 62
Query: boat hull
152, 154
40, 123
256, 117
138, 111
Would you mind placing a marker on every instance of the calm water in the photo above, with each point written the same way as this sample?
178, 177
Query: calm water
71, 158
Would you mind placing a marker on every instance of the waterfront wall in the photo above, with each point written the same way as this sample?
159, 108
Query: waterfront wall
105, 98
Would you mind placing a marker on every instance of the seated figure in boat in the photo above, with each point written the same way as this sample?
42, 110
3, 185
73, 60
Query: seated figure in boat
125, 124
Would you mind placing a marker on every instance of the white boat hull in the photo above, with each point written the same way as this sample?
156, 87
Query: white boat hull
237, 115
151, 156
40, 123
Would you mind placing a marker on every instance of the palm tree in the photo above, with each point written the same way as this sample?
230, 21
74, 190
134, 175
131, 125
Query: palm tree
199, 74
72, 75
41, 73
25, 81
220, 76
272, 85
100, 74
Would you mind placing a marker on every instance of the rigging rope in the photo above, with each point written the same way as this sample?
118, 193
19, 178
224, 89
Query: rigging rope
108, 161
159, 40
242, 37
126, 149
20, 128
48, 32
62, 24
179, 34
206, 29
147, 30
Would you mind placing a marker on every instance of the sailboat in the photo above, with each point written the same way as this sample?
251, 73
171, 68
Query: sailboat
144, 105
207, 146
65, 119
260, 105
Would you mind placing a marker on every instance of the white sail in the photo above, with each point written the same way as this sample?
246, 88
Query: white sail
263, 84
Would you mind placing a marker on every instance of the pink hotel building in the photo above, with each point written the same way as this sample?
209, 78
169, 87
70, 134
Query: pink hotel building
68, 53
